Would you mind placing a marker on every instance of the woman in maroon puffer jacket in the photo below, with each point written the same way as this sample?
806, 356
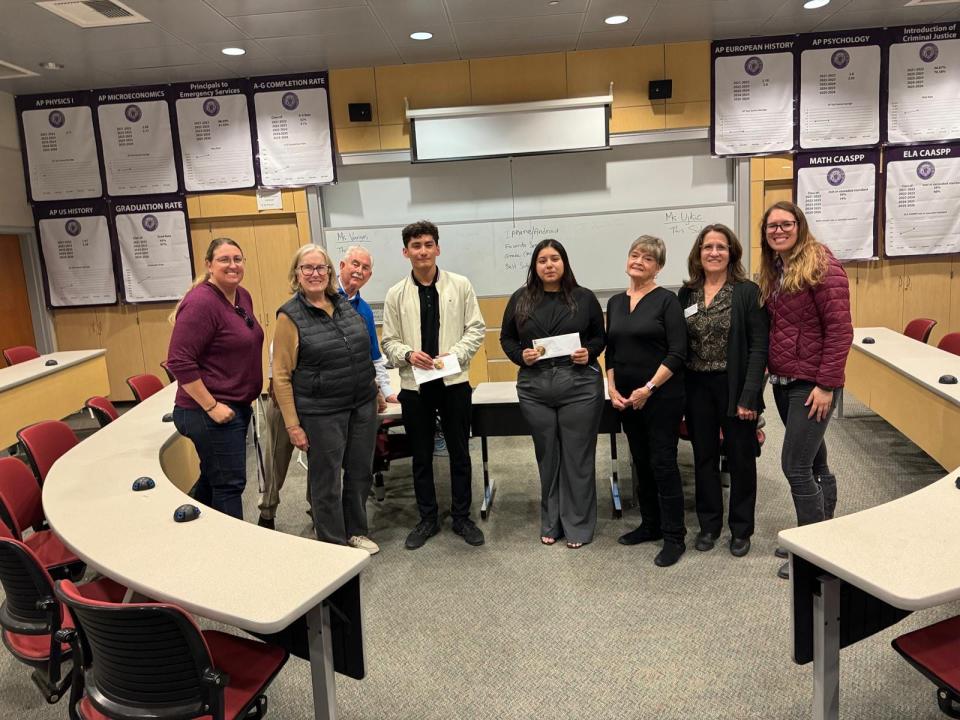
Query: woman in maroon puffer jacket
807, 296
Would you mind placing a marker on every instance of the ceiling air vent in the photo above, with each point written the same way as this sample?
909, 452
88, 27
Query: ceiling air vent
93, 13
9, 71
917, 3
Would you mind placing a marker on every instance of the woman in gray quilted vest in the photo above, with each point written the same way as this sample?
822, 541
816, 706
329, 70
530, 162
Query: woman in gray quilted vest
325, 386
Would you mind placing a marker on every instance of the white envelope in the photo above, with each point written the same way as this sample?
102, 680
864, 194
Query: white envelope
558, 345
451, 366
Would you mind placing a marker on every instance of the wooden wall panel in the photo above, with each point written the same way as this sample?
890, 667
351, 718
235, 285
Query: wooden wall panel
688, 65
519, 78
955, 295
76, 328
427, 85
686, 115
120, 335
501, 370
630, 70
355, 85
358, 139
155, 331
637, 119
492, 310
394, 137
880, 294
778, 167
926, 293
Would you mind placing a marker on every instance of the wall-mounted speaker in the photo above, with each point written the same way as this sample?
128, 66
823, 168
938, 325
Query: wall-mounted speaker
661, 89
360, 112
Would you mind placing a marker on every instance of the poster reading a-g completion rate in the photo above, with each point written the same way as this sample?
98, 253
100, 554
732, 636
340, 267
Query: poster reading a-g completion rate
753, 95
213, 124
60, 146
923, 91
293, 130
840, 89
137, 141
922, 197
837, 191
154, 248
75, 252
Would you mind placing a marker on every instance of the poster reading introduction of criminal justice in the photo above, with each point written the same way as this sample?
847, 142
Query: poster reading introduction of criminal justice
60, 147
752, 92
293, 130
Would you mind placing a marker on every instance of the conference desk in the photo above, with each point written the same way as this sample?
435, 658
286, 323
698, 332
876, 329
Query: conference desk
897, 377
217, 567
858, 574
33, 391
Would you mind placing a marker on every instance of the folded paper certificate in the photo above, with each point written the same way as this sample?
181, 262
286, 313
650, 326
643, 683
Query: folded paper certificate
557, 346
442, 366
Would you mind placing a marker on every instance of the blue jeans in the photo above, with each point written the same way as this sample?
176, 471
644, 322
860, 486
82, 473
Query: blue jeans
223, 456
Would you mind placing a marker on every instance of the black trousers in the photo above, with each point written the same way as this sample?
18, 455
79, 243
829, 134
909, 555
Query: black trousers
420, 409
653, 433
707, 400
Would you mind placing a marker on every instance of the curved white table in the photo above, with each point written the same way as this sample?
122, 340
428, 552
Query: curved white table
216, 566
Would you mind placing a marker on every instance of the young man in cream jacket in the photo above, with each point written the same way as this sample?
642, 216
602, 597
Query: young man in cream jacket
430, 314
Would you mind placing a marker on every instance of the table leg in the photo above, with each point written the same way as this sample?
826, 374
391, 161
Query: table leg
615, 478
321, 663
826, 649
488, 486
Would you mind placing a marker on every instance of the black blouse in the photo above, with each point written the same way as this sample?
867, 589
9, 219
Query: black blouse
553, 317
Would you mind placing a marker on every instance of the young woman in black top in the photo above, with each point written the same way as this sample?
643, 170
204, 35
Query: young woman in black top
646, 349
560, 398
728, 338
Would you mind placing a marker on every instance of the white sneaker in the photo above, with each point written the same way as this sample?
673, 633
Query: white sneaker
362, 542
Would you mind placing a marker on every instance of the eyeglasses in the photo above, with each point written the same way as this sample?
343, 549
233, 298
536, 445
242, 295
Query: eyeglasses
236, 260
243, 313
715, 248
786, 226
321, 270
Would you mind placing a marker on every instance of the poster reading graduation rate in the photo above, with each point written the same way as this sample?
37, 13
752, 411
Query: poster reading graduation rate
75, 250
293, 130
840, 89
154, 248
923, 99
137, 141
60, 147
922, 197
837, 191
752, 91
214, 129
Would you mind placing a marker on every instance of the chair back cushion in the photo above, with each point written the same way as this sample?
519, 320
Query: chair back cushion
143, 386
19, 496
19, 354
950, 342
25, 583
919, 329
102, 409
45, 442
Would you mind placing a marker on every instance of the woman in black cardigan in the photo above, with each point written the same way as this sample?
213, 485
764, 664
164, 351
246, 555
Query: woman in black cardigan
727, 338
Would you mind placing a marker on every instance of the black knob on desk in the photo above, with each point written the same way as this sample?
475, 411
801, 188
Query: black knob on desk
186, 513
51, 362
868, 341
948, 380
167, 417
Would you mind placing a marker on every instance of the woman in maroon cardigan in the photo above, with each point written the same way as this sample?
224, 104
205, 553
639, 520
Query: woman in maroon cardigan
807, 297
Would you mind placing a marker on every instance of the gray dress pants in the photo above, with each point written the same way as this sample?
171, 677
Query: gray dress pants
562, 404
341, 440
277, 451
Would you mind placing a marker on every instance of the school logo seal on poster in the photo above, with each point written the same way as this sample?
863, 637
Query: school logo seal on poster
133, 113
929, 52
926, 170
149, 222
753, 66
840, 59
836, 176
290, 101
72, 227
56, 119
211, 107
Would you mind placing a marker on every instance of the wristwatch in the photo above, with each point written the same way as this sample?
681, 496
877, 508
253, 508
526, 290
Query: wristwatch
650, 386
406, 356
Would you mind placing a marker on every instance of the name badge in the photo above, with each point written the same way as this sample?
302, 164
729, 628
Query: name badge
690, 311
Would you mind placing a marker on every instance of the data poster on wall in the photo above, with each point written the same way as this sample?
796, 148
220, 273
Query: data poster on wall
837, 191
75, 253
213, 125
154, 244
922, 197
60, 147
752, 93
293, 130
840, 89
137, 141
923, 84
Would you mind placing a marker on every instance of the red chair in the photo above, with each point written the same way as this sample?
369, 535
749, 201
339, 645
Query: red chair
35, 626
19, 354
950, 342
919, 329
151, 660
143, 386
20, 502
166, 369
935, 652
44, 443
102, 410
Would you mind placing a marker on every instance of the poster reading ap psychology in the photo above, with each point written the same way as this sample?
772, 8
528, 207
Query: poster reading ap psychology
213, 125
60, 147
154, 248
923, 90
753, 94
137, 141
922, 197
75, 253
837, 191
293, 130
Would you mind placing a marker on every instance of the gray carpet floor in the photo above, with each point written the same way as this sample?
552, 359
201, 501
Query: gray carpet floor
515, 629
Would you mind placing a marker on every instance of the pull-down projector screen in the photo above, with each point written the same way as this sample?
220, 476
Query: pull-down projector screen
485, 131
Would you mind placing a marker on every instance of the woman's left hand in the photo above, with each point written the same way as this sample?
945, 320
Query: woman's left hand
639, 397
580, 356
745, 414
820, 403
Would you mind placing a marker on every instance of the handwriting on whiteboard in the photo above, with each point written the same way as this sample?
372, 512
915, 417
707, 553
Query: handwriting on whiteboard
520, 243
683, 222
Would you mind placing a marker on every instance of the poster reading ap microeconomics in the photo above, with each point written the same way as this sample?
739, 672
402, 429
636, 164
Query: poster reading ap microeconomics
75, 253
293, 130
154, 248
60, 147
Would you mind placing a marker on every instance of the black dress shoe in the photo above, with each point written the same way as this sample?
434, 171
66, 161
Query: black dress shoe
781, 553
670, 553
424, 530
468, 530
266, 522
739, 546
784, 571
705, 541
641, 535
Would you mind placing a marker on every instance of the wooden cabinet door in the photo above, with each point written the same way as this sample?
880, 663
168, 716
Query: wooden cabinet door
120, 335
17, 326
926, 293
880, 294
76, 328
852, 272
954, 325
155, 331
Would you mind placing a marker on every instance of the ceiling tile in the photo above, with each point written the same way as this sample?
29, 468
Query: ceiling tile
252, 67
638, 11
263, 7
347, 58
168, 56
399, 33
495, 47
213, 50
398, 12
853, 19
196, 22
608, 39
518, 28
318, 45
178, 74
470, 10
426, 53
309, 22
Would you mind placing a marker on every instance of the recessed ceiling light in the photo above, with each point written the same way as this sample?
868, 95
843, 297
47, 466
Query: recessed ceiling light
421, 36
50, 65
616, 20
814, 4
554, 2
233, 51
